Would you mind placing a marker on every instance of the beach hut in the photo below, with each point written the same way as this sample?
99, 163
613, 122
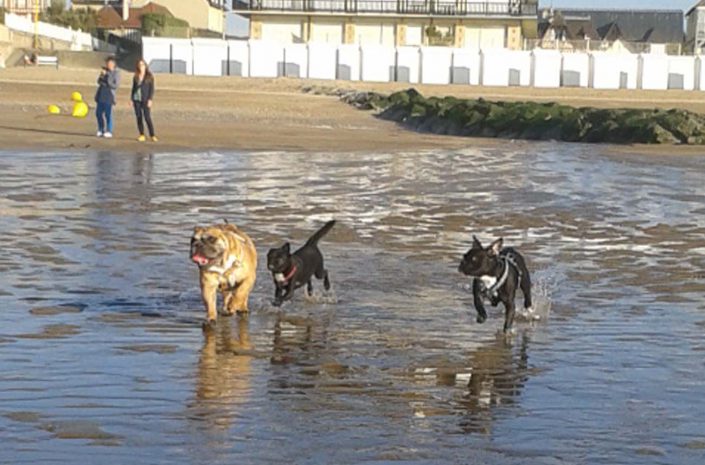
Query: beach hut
348, 63
436, 63
661, 72
295, 62
613, 70
322, 60
408, 64
209, 57
266, 58
377, 63
156, 52
502, 67
575, 69
181, 56
466, 66
546, 68
238, 59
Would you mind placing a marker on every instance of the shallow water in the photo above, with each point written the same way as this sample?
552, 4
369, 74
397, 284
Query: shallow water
102, 355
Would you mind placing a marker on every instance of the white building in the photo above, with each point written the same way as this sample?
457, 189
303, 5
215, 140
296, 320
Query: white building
695, 28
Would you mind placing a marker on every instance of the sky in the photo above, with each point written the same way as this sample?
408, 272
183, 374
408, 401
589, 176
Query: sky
641, 4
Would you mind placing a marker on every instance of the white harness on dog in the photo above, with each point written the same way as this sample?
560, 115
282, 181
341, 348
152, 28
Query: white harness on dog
491, 285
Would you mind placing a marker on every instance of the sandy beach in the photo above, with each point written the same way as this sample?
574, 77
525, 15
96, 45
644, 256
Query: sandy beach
258, 114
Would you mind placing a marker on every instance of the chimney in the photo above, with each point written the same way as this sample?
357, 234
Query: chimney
125, 10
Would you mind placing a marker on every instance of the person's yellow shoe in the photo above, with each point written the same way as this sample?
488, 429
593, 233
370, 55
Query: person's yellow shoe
154, 139
141, 138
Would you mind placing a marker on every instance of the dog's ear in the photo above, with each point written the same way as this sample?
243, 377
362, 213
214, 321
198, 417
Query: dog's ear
495, 247
198, 230
476, 243
287, 248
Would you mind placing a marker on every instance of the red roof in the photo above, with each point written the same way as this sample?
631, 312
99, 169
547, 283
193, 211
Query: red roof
111, 18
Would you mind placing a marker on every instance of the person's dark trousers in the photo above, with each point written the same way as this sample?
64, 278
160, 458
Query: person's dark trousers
144, 113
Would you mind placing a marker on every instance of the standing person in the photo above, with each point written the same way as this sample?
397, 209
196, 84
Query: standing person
108, 82
142, 95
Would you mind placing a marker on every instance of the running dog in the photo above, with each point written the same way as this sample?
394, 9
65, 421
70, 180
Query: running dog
497, 273
291, 271
227, 261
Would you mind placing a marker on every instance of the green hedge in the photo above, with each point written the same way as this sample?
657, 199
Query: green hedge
84, 19
159, 25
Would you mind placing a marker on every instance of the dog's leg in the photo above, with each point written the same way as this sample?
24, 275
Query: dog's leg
227, 299
238, 302
277, 294
477, 298
326, 280
209, 295
322, 273
525, 285
289, 291
508, 315
309, 288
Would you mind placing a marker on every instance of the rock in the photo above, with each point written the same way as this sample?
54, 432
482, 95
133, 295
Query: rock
530, 120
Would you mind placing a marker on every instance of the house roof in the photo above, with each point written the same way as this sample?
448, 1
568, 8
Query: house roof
700, 3
111, 17
654, 26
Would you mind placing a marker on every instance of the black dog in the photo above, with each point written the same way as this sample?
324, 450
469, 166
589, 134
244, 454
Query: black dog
497, 273
291, 271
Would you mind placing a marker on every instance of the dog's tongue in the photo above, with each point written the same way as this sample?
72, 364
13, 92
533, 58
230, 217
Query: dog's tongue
200, 259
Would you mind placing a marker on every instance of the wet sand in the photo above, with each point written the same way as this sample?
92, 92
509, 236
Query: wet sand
262, 114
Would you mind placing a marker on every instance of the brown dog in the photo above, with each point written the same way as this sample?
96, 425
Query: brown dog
227, 260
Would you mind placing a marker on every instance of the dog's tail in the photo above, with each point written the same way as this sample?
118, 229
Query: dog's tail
320, 233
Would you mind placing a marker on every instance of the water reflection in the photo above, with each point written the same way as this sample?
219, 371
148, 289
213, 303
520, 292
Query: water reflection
499, 371
223, 379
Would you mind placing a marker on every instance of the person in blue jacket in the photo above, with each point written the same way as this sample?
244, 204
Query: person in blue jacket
108, 82
142, 97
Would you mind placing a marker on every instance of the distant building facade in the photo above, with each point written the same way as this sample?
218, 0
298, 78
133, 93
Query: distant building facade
200, 14
25, 7
695, 28
458, 23
612, 30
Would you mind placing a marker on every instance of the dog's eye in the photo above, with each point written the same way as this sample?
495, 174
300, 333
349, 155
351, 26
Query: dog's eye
474, 259
209, 239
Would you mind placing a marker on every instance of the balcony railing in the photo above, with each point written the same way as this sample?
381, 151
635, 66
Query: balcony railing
406, 7
582, 46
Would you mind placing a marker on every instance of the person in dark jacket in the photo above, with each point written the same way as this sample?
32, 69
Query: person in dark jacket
108, 82
142, 97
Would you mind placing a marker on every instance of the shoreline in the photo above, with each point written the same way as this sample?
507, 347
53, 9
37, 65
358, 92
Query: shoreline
255, 115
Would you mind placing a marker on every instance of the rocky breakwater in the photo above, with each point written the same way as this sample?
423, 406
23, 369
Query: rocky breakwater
531, 120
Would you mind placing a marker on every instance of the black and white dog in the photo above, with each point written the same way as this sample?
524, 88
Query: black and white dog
291, 271
497, 273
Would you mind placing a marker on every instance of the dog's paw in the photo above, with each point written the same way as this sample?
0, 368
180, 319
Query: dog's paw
481, 318
529, 314
208, 325
277, 303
